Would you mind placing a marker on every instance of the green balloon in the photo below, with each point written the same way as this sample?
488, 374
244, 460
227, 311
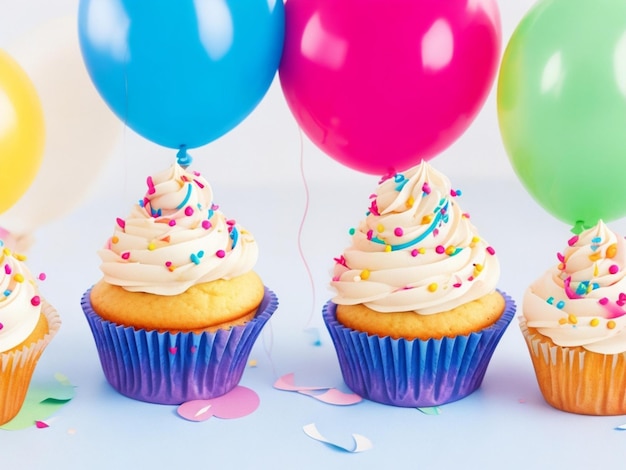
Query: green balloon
562, 107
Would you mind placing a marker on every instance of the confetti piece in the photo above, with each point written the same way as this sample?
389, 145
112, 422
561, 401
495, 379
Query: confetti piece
430, 410
333, 396
41, 424
621, 427
315, 332
361, 443
328, 395
239, 402
252, 363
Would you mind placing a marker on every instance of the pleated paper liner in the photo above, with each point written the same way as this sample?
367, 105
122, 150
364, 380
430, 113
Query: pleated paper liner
577, 380
17, 367
414, 373
172, 368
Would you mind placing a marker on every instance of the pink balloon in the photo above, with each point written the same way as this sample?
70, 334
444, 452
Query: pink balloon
380, 85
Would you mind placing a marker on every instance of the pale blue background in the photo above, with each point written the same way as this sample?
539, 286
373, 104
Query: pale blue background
256, 177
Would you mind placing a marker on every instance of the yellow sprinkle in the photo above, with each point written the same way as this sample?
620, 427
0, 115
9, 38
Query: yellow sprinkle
387, 248
421, 251
151, 246
611, 251
432, 287
450, 250
610, 324
475, 239
572, 319
427, 219
380, 228
6, 251
594, 322
20, 257
252, 363
595, 269
171, 268
114, 240
594, 256
18, 277
478, 267
365, 274
561, 266
410, 201
562, 321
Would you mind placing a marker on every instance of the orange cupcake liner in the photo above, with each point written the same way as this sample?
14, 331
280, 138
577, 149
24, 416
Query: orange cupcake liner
17, 367
576, 380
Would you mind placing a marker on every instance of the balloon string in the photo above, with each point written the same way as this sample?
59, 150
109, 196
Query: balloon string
300, 229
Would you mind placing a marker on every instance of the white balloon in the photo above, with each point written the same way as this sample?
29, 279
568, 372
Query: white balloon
81, 131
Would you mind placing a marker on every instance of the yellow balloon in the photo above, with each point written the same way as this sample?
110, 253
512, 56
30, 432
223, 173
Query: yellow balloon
22, 133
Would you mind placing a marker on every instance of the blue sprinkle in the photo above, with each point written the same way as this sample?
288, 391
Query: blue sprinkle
550, 300
7, 292
595, 286
458, 192
200, 253
401, 185
560, 305
195, 258
398, 178
234, 235
141, 204
594, 247
596, 240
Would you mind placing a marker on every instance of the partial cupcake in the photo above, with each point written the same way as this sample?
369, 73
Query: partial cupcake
179, 306
574, 323
27, 325
417, 315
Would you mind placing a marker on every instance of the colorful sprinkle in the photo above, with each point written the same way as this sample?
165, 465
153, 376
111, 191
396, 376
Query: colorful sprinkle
220, 253
451, 250
398, 232
1, 326
490, 250
121, 223
206, 224
115, 239
611, 324
365, 274
594, 322
42, 276
125, 255
611, 251
414, 252
572, 241
370, 234
188, 211
380, 228
352, 231
432, 287
426, 188
603, 301
427, 219
614, 269
171, 223
562, 321
151, 246
35, 301
560, 304
388, 248
410, 202
18, 277
7, 269
440, 249
573, 319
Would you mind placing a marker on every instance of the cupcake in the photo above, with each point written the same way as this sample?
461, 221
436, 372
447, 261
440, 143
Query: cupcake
179, 306
27, 324
417, 316
574, 324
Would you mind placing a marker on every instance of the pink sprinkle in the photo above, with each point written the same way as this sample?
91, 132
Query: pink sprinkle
1, 326
196, 173
220, 253
414, 252
200, 185
121, 222
151, 189
466, 215
231, 222
206, 225
435, 232
188, 211
458, 284
572, 241
603, 301
440, 249
452, 193
560, 257
7, 269
614, 269
41, 424
491, 251
126, 255
171, 223
42, 276
398, 232
370, 234
35, 301
426, 188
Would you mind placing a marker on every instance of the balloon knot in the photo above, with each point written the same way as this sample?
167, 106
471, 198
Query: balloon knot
578, 227
183, 158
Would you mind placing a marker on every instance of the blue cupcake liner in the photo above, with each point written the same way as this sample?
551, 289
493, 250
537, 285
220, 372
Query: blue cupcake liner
172, 368
414, 373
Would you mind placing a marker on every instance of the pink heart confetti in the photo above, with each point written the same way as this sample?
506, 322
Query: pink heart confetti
41, 424
333, 396
287, 383
239, 402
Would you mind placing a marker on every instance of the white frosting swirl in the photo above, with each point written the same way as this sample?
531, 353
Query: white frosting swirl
19, 302
582, 300
176, 238
415, 250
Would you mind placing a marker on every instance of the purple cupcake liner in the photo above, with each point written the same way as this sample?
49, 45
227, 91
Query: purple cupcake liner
172, 368
414, 373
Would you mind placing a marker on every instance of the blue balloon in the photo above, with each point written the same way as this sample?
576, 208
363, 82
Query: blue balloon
181, 73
